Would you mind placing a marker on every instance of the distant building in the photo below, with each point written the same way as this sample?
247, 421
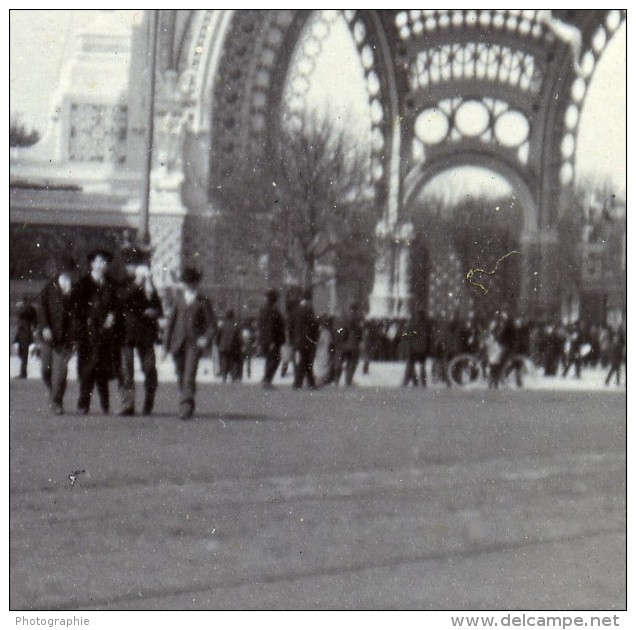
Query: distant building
79, 185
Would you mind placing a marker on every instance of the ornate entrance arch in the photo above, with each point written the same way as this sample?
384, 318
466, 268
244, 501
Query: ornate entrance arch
496, 88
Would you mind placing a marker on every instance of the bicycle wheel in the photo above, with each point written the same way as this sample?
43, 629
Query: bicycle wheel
464, 370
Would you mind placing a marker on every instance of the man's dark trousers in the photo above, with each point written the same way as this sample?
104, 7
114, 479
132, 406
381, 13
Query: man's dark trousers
148, 362
186, 361
304, 369
272, 361
55, 370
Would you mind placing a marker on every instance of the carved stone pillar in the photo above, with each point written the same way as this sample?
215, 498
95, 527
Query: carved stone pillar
167, 221
382, 295
403, 234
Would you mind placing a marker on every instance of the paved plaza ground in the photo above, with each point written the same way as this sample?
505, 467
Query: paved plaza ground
371, 497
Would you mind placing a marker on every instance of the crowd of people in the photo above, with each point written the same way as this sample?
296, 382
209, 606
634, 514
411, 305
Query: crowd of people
108, 323
498, 345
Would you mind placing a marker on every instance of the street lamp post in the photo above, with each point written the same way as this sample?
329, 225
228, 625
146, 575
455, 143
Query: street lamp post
152, 17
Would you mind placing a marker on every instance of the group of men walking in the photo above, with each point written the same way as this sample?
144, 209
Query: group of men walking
105, 322
108, 322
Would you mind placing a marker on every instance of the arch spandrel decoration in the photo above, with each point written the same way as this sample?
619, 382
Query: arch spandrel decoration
503, 58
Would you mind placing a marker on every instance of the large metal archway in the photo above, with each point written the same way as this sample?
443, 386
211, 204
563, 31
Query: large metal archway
511, 69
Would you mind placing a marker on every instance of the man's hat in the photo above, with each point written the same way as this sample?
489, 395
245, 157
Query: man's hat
191, 276
99, 251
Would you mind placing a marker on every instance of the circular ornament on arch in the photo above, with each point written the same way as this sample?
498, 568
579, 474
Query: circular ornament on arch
472, 118
512, 128
567, 145
572, 116
613, 20
431, 126
566, 176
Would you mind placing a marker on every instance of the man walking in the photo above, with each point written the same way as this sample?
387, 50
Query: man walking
351, 341
56, 324
305, 331
94, 314
272, 335
417, 345
140, 309
189, 332
230, 350
27, 319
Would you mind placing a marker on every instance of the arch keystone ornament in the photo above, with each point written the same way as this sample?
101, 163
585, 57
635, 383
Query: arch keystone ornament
495, 88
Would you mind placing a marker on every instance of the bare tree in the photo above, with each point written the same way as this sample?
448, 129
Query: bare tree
321, 182
308, 211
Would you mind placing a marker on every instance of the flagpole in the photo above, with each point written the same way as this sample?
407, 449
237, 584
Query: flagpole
143, 235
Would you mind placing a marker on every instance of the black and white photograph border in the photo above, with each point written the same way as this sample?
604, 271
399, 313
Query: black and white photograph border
351, 288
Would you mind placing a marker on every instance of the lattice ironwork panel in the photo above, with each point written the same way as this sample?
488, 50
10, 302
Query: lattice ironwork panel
479, 61
416, 23
166, 235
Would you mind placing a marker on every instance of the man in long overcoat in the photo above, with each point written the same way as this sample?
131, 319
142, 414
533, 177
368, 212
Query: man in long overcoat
94, 313
271, 335
305, 331
55, 317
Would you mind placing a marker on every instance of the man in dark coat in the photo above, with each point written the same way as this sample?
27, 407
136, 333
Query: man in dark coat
190, 330
27, 320
230, 350
618, 353
140, 309
417, 337
271, 335
94, 313
351, 339
305, 331
56, 328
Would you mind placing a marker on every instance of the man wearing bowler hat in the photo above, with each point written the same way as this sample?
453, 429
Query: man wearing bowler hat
94, 313
189, 331
55, 317
140, 309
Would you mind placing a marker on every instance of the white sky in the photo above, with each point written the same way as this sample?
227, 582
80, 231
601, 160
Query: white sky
41, 41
